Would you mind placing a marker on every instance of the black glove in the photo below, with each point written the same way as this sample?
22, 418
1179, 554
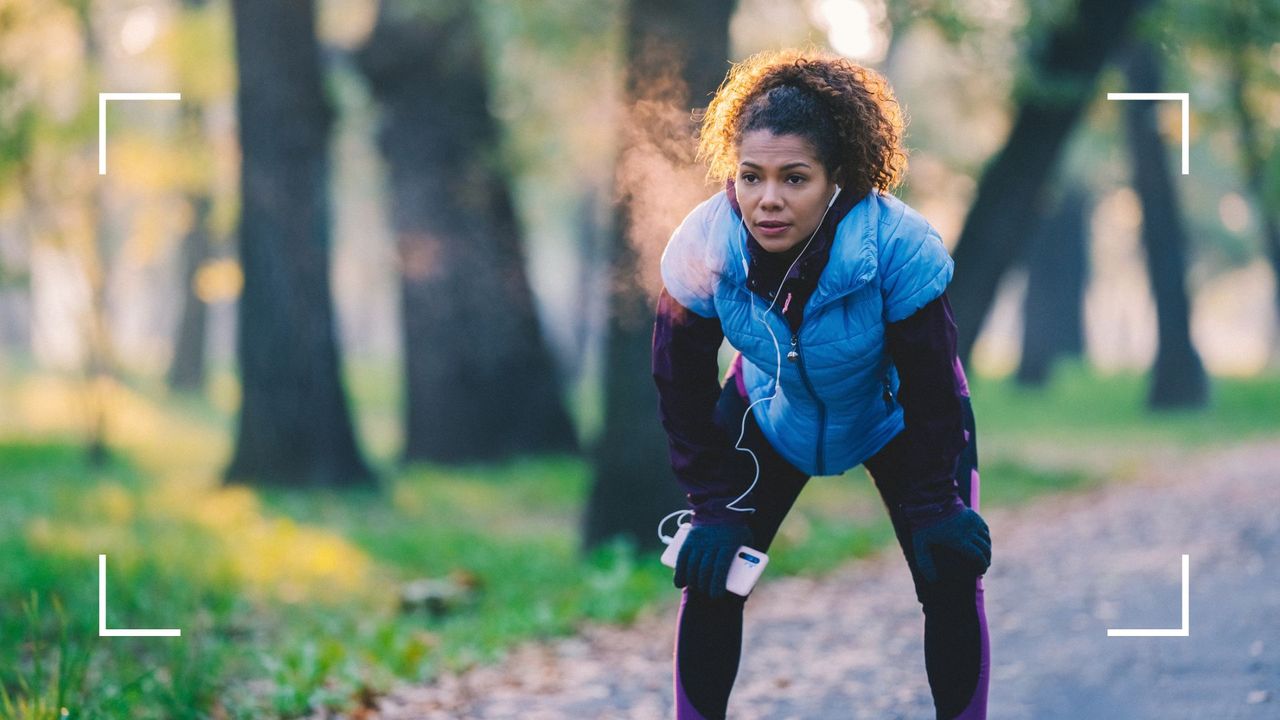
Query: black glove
962, 534
706, 554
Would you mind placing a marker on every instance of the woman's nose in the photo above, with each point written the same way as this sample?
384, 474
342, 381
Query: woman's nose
771, 197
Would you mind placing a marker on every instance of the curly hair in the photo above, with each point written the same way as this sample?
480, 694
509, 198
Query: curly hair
846, 111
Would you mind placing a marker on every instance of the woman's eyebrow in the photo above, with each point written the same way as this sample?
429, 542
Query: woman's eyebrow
798, 163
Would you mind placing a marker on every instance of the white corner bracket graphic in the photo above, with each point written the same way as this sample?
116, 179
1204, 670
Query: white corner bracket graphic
104, 631
103, 97
1186, 116
1183, 631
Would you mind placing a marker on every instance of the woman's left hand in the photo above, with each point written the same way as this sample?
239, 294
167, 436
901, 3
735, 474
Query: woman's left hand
964, 533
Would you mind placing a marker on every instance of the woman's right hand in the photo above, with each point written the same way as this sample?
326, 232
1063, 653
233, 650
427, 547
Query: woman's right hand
706, 555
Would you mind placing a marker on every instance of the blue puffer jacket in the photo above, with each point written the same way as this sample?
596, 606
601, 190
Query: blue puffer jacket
837, 404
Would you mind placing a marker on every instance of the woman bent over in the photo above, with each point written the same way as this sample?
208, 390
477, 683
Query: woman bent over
832, 291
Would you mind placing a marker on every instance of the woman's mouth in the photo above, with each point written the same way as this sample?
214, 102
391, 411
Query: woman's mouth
772, 228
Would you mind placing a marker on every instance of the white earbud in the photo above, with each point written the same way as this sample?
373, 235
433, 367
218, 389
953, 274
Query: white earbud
833, 197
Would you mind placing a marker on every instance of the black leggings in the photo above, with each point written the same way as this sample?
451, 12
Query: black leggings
708, 642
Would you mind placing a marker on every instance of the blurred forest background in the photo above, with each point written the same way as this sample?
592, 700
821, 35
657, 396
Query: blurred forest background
344, 361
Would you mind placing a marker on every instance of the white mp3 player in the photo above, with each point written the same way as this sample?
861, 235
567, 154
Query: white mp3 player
744, 571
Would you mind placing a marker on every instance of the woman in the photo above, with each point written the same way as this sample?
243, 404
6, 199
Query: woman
833, 292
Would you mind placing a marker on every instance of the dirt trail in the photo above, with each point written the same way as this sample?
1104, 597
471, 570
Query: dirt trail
1065, 569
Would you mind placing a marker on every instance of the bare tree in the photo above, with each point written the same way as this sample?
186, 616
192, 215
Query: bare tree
632, 487
1178, 376
1247, 27
481, 382
187, 368
294, 425
1052, 317
1062, 81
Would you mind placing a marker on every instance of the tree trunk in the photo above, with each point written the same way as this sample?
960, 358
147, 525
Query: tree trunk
1052, 318
101, 363
101, 366
481, 382
1178, 378
1009, 191
294, 426
187, 369
589, 240
633, 487
1254, 161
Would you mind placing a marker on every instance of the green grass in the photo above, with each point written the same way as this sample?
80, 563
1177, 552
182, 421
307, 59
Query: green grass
288, 600
510, 526
1082, 408
50, 511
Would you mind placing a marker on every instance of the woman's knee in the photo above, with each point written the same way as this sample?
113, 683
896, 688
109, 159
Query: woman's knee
946, 593
702, 608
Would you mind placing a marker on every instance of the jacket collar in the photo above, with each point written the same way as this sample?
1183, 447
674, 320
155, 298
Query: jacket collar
842, 254
813, 259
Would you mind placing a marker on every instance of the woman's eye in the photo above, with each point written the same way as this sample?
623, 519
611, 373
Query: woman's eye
799, 178
748, 177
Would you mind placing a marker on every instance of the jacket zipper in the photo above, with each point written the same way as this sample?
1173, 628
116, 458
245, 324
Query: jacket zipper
822, 408
795, 348
888, 395
804, 376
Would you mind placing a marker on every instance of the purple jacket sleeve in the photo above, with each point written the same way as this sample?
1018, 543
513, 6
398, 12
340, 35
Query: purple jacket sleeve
923, 347
686, 371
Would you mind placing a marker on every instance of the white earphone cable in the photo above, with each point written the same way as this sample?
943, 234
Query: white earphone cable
777, 350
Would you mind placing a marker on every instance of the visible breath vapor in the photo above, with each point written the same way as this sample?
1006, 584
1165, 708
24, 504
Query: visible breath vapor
657, 179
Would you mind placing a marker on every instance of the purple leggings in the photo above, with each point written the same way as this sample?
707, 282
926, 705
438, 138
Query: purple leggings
708, 643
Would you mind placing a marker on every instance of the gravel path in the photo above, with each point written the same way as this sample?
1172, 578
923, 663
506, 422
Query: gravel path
1065, 570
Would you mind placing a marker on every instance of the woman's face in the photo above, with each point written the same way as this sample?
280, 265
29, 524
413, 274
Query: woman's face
782, 188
